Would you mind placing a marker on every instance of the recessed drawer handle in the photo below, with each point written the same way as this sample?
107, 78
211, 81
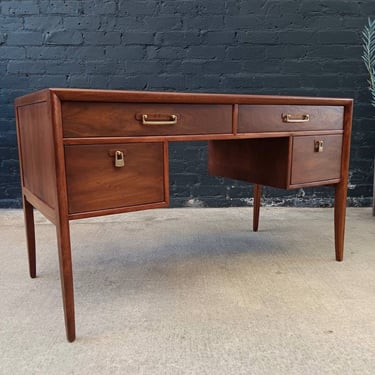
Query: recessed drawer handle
290, 118
172, 121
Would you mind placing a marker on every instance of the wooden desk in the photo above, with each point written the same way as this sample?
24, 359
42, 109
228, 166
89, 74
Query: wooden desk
86, 153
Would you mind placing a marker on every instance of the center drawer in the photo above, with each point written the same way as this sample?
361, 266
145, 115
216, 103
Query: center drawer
91, 119
289, 118
94, 182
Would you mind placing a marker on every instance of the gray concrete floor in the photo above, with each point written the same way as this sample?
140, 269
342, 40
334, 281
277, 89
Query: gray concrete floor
193, 291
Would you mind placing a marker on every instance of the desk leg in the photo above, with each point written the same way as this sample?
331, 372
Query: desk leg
339, 219
28, 212
66, 276
256, 208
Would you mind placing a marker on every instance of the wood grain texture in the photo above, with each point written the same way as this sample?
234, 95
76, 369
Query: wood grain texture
258, 118
256, 207
91, 119
342, 187
62, 224
37, 164
28, 211
199, 137
67, 94
261, 161
66, 277
311, 166
235, 119
37, 151
94, 183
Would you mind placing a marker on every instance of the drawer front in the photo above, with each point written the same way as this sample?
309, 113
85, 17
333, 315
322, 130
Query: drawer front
90, 119
95, 183
316, 158
281, 118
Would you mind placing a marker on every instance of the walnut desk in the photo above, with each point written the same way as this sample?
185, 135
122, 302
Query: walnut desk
86, 153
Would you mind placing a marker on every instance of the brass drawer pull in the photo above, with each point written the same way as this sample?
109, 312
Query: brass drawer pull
319, 146
172, 121
119, 159
290, 118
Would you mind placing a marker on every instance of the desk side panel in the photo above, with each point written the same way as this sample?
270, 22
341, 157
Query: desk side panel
37, 156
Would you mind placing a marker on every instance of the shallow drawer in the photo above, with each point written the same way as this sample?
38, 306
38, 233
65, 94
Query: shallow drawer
280, 118
316, 158
90, 119
95, 183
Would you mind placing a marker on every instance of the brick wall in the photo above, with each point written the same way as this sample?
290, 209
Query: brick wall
296, 47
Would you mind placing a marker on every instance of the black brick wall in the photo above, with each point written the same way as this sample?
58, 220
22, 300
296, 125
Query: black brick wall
296, 47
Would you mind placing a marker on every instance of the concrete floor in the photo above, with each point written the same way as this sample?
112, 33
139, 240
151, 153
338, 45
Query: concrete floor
193, 291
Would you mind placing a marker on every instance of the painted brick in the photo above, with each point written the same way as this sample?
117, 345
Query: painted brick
167, 82
17, 8
169, 53
144, 66
2, 38
95, 7
137, 8
178, 38
257, 37
344, 37
203, 22
8, 23
220, 37
123, 82
125, 52
246, 52
206, 52
297, 37
66, 67
86, 23
23, 38
12, 81
26, 67
162, 23
133, 37
220, 67
192, 66
36, 23
102, 37
291, 47
63, 37
47, 80
251, 22
98, 68
177, 7
61, 7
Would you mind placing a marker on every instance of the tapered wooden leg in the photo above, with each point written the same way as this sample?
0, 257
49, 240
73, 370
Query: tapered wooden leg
256, 208
28, 211
340, 212
66, 276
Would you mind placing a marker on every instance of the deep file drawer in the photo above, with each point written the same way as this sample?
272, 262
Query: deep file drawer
282, 162
316, 158
95, 183
90, 119
289, 118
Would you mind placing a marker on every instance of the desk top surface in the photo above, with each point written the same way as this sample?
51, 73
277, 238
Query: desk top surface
68, 94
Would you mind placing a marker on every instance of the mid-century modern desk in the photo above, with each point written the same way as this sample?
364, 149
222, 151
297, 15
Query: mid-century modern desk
86, 153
